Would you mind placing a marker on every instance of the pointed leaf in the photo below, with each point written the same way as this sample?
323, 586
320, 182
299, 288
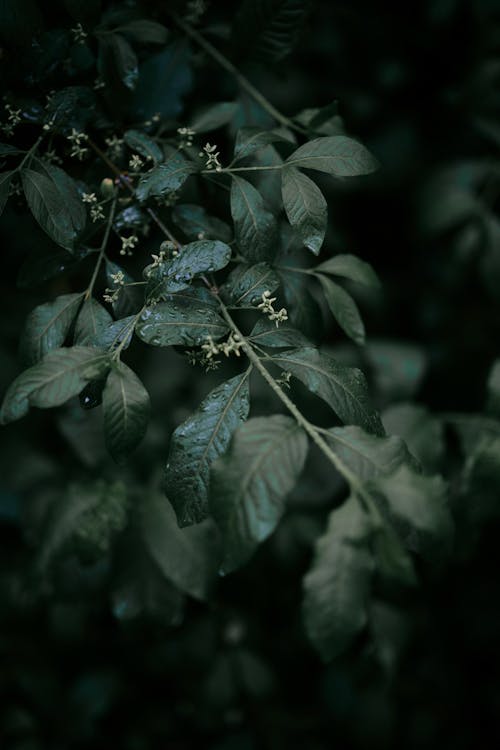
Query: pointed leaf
186, 557
126, 411
249, 484
305, 207
368, 455
143, 145
185, 324
267, 30
336, 589
344, 310
194, 221
337, 155
197, 442
265, 333
255, 227
62, 373
343, 388
249, 140
92, 320
5, 178
47, 205
165, 178
350, 267
213, 117
204, 256
47, 327
246, 284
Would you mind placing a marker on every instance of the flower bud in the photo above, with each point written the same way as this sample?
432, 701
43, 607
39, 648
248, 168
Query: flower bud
107, 188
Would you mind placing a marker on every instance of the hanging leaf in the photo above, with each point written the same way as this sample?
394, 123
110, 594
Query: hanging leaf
164, 81
254, 226
47, 327
249, 484
368, 455
5, 178
186, 557
337, 155
303, 309
118, 332
41, 265
305, 207
143, 145
92, 320
117, 63
344, 310
343, 388
165, 178
265, 333
422, 432
350, 267
166, 324
493, 400
126, 411
62, 373
144, 31
246, 284
197, 442
336, 588
268, 30
213, 117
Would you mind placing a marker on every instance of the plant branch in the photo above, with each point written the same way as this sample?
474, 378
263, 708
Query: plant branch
102, 249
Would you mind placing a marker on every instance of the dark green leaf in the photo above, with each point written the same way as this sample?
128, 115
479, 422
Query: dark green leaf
187, 324
5, 178
50, 207
350, 267
92, 320
115, 333
144, 31
62, 373
165, 178
422, 432
126, 411
213, 117
303, 309
41, 265
197, 442
249, 140
343, 388
255, 227
194, 221
336, 589
337, 155
249, 484
130, 298
265, 333
393, 561
164, 80
267, 30
47, 327
367, 455
493, 400
143, 145
305, 207
186, 557
418, 505
343, 309
203, 256
118, 63
246, 285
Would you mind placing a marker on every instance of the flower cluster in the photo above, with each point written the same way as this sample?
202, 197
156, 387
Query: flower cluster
284, 379
266, 306
79, 34
114, 144
111, 295
76, 139
128, 244
96, 209
212, 157
195, 10
13, 119
186, 136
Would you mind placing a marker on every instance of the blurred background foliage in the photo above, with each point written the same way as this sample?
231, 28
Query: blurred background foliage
97, 647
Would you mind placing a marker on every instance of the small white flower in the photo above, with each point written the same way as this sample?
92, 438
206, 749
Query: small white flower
89, 198
135, 163
79, 34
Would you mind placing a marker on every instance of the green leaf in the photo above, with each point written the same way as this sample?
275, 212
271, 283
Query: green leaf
126, 411
115, 333
68, 192
43, 264
337, 155
50, 207
254, 226
143, 145
305, 207
337, 587
194, 220
5, 178
186, 557
265, 333
493, 386
268, 30
344, 310
118, 63
62, 373
164, 80
165, 178
144, 31
204, 256
303, 309
197, 442
418, 505
394, 563
249, 140
421, 431
186, 324
249, 484
246, 284
343, 388
130, 298
92, 321
213, 117
368, 455
47, 327
350, 267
